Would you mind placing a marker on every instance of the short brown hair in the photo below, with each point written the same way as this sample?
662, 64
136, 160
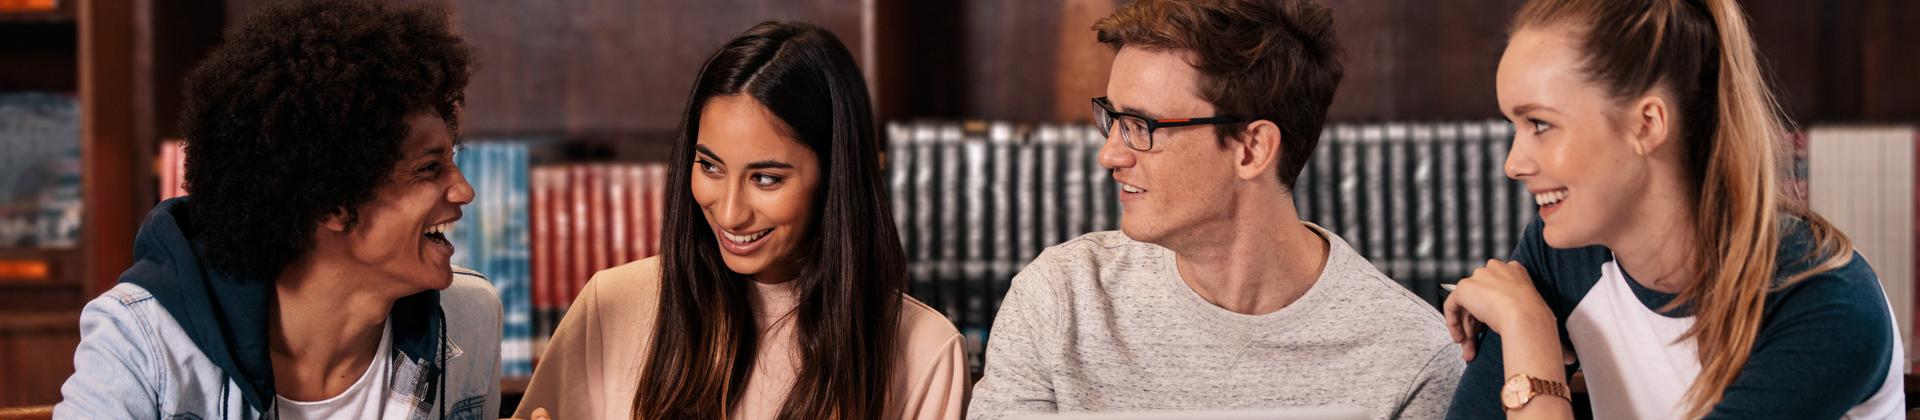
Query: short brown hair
1275, 60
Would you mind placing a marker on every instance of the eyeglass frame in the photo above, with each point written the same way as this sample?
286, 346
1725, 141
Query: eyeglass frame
1103, 110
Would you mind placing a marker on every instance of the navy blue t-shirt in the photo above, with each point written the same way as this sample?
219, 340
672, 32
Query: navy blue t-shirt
1827, 345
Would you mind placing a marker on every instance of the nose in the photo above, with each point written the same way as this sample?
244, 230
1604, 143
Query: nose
461, 193
732, 211
1520, 164
1114, 153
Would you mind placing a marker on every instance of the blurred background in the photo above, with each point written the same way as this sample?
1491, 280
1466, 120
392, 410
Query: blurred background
985, 111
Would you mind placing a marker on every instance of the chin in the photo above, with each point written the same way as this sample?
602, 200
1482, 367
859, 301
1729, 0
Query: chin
743, 265
1138, 233
441, 279
1563, 237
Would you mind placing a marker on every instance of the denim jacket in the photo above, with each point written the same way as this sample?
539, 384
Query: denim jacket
175, 341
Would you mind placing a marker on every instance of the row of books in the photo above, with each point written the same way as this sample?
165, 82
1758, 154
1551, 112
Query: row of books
587, 218
40, 204
1861, 178
1427, 202
492, 237
974, 201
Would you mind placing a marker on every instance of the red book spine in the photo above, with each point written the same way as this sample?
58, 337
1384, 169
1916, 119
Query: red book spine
597, 222
541, 232
620, 243
656, 201
581, 243
638, 211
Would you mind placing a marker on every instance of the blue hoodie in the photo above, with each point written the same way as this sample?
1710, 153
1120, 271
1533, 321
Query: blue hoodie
178, 340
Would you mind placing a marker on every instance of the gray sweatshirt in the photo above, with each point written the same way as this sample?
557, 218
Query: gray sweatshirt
1104, 323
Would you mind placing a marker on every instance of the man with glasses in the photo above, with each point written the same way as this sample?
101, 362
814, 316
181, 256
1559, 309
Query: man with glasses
1214, 295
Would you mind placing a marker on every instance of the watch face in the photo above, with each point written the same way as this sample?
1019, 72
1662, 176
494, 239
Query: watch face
1515, 394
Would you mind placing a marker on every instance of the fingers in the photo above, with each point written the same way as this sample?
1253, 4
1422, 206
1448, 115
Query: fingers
1450, 311
1460, 326
541, 414
1470, 347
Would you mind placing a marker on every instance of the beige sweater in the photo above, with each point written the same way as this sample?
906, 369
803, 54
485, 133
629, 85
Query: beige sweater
591, 367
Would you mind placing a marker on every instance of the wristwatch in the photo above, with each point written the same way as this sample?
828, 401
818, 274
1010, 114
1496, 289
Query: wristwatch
1521, 389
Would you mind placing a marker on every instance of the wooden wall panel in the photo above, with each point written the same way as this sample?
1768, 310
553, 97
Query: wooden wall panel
606, 68
597, 66
36, 355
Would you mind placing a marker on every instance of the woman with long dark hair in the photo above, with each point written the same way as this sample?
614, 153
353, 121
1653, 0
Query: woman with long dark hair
778, 291
1667, 264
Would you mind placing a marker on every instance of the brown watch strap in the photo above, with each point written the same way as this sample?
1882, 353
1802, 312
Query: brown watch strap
1546, 387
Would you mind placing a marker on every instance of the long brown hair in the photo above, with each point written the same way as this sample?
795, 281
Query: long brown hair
851, 267
1734, 133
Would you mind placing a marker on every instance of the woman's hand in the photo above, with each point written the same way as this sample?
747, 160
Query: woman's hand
1501, 296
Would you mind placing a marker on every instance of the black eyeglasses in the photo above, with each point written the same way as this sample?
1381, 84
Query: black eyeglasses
1137, 131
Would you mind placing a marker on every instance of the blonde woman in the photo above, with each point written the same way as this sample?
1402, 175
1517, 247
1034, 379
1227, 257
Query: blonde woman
1665, 264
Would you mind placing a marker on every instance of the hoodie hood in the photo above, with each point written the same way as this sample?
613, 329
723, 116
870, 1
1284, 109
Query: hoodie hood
226, 314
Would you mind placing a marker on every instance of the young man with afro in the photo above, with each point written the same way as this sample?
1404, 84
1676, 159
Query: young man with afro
307, 274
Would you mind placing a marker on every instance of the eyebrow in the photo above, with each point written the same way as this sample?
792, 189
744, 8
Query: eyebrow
435, 152
702, 149
765, 164
1523, 109
1135, 111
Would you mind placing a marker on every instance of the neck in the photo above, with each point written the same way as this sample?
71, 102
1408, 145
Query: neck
1257, 260
1657, 245
324, 328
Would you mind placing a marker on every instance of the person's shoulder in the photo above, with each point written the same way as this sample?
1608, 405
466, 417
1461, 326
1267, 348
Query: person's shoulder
926, 337
625, 293
1841, 280
1368, 289
130, 308
923, 329
1093, 251
638, 277
1850, 293
472, 310
469, 287
1365, 301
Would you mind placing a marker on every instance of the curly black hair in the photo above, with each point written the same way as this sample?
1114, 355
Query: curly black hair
302, 111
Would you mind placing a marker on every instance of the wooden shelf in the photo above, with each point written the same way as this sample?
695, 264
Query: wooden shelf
36, 18
39, 322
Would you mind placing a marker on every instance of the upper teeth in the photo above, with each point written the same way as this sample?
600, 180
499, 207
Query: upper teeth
1130, 188
745, 238
440, 228
1549, 197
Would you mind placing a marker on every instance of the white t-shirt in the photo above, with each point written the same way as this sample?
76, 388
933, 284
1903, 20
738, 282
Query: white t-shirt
366, 399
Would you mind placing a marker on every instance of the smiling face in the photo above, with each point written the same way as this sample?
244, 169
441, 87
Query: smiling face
1185, 179
755, 184
401, 233
1567, 147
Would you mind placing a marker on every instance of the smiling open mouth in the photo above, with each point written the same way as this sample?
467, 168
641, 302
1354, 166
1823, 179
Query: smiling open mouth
747, 238
438, 233
1550, 198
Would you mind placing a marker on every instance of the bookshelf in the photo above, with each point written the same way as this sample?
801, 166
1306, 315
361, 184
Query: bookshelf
120, 61
39, 286
603, 81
